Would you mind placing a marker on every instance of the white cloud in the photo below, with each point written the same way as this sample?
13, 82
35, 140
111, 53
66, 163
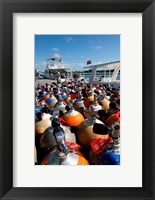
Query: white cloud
56, 55
98, 47
55, 49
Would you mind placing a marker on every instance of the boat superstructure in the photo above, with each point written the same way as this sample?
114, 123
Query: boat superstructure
112, 67
56, 69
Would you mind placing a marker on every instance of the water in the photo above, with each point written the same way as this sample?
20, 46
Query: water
100, 75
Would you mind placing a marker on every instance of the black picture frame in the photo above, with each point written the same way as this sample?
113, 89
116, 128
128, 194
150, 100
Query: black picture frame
7, 8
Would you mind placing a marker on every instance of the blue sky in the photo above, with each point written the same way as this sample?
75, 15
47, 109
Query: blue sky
76, 50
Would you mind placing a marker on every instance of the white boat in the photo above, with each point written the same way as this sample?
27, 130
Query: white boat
57, 70
112, 79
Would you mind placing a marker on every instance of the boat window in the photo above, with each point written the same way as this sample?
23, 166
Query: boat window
118, 76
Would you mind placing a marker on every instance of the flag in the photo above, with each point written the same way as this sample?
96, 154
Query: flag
88, 62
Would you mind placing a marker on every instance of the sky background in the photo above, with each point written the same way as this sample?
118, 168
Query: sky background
76, 50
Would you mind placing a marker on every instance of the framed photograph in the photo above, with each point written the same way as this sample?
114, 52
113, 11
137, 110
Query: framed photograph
115, 35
